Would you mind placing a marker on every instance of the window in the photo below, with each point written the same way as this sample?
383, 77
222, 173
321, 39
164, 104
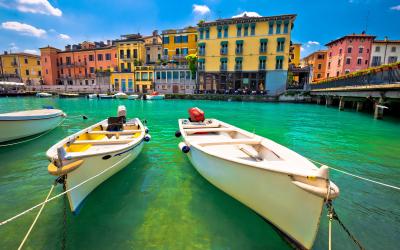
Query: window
279, 62
47, 71
207, 33
122, 67
337, 73
201, 64
175, 75
26, 60
185, 51
340, 51
360, 50
239, 47
239, 30
128, 53
366, 62
27, 72
38, 62
376, 61
238, 65
377, 49
393, 49
329, 65
330, 54
320, 56
45, 59
165, 53
263, 45
359, 61
202, 49
319, 67
349, 49
224, 48
281, 44
339, 62
166, 40
318, 76
262, 62
278, 27
347, 71
116, 84
286, 27
271, 28
185, 39
219, 28
108, 56
39, 73
225, 31
68, 59
224, 64
135, 53
201, 34
246, 30
253, 29
392, 59
177, 39
91, 58
348, 60
92, 70
99, 57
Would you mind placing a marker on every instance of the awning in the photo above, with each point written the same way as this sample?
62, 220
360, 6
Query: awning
219, 27
201, 44
263, 57
223, 59
225, 26
239, 41
246, 25
239, 25
253, 25
224, 42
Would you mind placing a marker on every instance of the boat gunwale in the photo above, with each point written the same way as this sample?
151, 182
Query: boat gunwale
29, 118
134, 143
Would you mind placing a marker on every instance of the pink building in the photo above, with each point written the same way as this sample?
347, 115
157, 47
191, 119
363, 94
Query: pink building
348, 54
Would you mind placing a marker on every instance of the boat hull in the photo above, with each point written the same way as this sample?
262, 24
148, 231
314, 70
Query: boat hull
12, 130
155, 97
272, 195
93, 165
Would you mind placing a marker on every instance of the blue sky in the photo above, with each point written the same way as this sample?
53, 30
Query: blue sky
26, 25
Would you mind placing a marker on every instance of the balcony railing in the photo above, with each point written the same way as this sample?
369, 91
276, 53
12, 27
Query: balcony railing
170, 67
178, 57
164, 57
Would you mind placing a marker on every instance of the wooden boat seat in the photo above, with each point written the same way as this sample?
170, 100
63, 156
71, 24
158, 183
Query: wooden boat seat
101, 142
123, 132
231, 142
208, 130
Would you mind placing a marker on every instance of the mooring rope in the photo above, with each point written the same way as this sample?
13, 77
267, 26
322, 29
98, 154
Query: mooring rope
61, 194
357, 176
36, 218
34, 138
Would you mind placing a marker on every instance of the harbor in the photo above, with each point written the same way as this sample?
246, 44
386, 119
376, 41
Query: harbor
159, 200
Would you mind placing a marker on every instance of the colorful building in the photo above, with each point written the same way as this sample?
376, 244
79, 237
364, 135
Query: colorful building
78, 64
385, 52
178, 43
295, 54
153, 45
174, 79
21, 67
244, 53
131, 52
348, 54
317, 61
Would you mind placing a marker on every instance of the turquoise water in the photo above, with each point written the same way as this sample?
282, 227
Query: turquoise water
160, 202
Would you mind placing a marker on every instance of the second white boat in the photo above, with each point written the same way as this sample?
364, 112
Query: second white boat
98, 151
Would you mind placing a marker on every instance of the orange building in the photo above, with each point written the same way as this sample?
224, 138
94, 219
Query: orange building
77, 64
318, 62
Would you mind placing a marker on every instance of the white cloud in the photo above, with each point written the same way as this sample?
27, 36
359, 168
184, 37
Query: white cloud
64, 36
23, 28
31, 51
38, 7
248, 14
302, 49
201, 9
395, 8
313, 43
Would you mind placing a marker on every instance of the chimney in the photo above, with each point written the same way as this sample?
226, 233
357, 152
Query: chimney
68, 47
5, 52
109, 42
155, 32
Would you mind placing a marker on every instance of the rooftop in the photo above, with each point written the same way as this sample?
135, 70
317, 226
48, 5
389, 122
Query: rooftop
247, 19
19, 54
362, 35
387, 41
189, 29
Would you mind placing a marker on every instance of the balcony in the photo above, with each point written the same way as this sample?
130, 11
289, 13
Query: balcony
178, 57
172, 66
224, 51
239, 51
164, 57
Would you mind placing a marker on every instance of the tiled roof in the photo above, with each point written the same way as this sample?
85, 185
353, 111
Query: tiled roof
351, 36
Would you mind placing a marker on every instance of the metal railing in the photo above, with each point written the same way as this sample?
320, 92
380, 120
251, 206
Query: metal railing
382, 77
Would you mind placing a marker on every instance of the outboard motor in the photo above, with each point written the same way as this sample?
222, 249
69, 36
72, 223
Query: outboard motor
122, 112
196, 115
117, 123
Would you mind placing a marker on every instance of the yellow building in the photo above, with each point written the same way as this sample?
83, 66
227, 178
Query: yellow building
244, 53
140, 80
295, 54
131, 52
144, 76
178, 43
122, 82
21, 67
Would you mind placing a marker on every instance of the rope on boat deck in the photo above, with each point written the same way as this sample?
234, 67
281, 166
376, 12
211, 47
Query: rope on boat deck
61, 194
357, 176
34, 138
36, 218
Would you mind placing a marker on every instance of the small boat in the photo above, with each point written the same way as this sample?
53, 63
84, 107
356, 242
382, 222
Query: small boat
113, 142
68, 95
16, 125
92, 96
121, 95
155, 96
106, 96
43, 94
133, 97
282, 186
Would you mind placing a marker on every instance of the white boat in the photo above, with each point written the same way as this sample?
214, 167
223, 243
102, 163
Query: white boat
106, 96
43, 94
280, 185
121, 95
92, 96
133, 97
21, 124
68, 95
110, 144
155, 96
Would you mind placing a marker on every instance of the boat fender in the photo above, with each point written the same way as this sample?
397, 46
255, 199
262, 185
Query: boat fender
146, 130
184, 148
147, 138
178, 134
48, 107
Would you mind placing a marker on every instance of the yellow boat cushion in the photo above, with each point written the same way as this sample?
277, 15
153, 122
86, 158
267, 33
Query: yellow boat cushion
136, 135
87, 136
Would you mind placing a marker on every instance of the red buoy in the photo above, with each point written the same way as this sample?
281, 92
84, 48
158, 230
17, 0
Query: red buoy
196, 115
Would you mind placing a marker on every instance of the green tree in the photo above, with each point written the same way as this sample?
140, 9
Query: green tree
192, 61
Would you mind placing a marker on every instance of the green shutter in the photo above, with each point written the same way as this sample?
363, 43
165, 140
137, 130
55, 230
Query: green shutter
281, 39
246, 25
219, 27
225, 26
239, 25
223, 59
263, 57
263, 40
279, 22
238, 59
253, 25
239, 41
201, 29
279, 58
201, 60
201, 44
224, 42
207, 28
271, 22
286, 21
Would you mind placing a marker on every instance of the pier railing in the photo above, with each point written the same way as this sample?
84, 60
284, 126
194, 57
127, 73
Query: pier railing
376, 76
